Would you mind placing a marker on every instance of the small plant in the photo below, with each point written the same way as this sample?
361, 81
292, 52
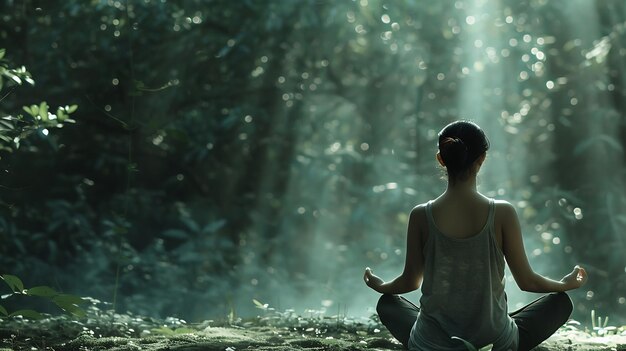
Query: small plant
471, 347
601, 326
70, 304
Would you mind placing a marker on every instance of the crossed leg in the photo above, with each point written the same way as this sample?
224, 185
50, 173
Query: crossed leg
398, 315
541, 318
535, 322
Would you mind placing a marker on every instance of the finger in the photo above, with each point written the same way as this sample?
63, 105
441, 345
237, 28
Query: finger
368, 275
581, 276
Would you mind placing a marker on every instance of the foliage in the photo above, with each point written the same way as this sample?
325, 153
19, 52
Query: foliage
15, 75
13, 129
68, 303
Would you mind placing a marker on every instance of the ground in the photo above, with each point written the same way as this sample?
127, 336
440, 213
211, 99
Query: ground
272, 331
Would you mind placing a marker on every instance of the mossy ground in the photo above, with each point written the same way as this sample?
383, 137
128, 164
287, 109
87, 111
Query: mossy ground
273, 331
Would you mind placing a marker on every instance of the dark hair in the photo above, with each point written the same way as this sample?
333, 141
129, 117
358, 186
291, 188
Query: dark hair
460, 144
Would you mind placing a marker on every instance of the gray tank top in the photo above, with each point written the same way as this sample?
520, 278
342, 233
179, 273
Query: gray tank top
463, 292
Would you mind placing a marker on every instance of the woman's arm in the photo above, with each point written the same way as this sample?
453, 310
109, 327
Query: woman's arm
525, 277
411, 277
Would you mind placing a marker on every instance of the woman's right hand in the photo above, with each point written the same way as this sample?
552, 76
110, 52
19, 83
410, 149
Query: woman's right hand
576, 279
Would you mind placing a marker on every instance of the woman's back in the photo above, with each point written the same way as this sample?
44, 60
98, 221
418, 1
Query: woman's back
460, 217
463, 286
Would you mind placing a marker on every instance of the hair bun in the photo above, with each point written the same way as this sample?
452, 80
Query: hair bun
453, 152
460, 144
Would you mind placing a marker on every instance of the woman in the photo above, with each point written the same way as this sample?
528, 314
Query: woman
456, 250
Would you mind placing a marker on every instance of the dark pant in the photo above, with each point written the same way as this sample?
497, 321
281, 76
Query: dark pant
535, 321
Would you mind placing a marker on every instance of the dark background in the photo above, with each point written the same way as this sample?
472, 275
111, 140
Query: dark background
225, 151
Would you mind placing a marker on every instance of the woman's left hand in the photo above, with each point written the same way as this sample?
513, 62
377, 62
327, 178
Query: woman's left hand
576, 279
372, 280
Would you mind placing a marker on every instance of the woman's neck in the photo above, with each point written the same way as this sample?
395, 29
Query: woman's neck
463, 188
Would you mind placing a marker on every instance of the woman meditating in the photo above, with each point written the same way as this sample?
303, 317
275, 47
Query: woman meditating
457, 245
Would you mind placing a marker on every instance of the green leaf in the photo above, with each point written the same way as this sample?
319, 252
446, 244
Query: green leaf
43, 291
28, 314
162, 331
6, 125
61, 114
260, 305
467, 344
43, 111
214, 226
69, 303
3, 311
191, 224
71, 108
15, 78
28, 110
184, 330
175, 234
75, 311
67, 299
34, 110
2, 52
224, 51
14, 282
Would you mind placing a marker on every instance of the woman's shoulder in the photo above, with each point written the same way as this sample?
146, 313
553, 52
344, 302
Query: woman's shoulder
419, 212
503, 204
420, 208
504, 209
419, 220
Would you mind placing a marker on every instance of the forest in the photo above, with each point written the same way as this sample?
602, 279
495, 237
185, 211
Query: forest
213, 160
